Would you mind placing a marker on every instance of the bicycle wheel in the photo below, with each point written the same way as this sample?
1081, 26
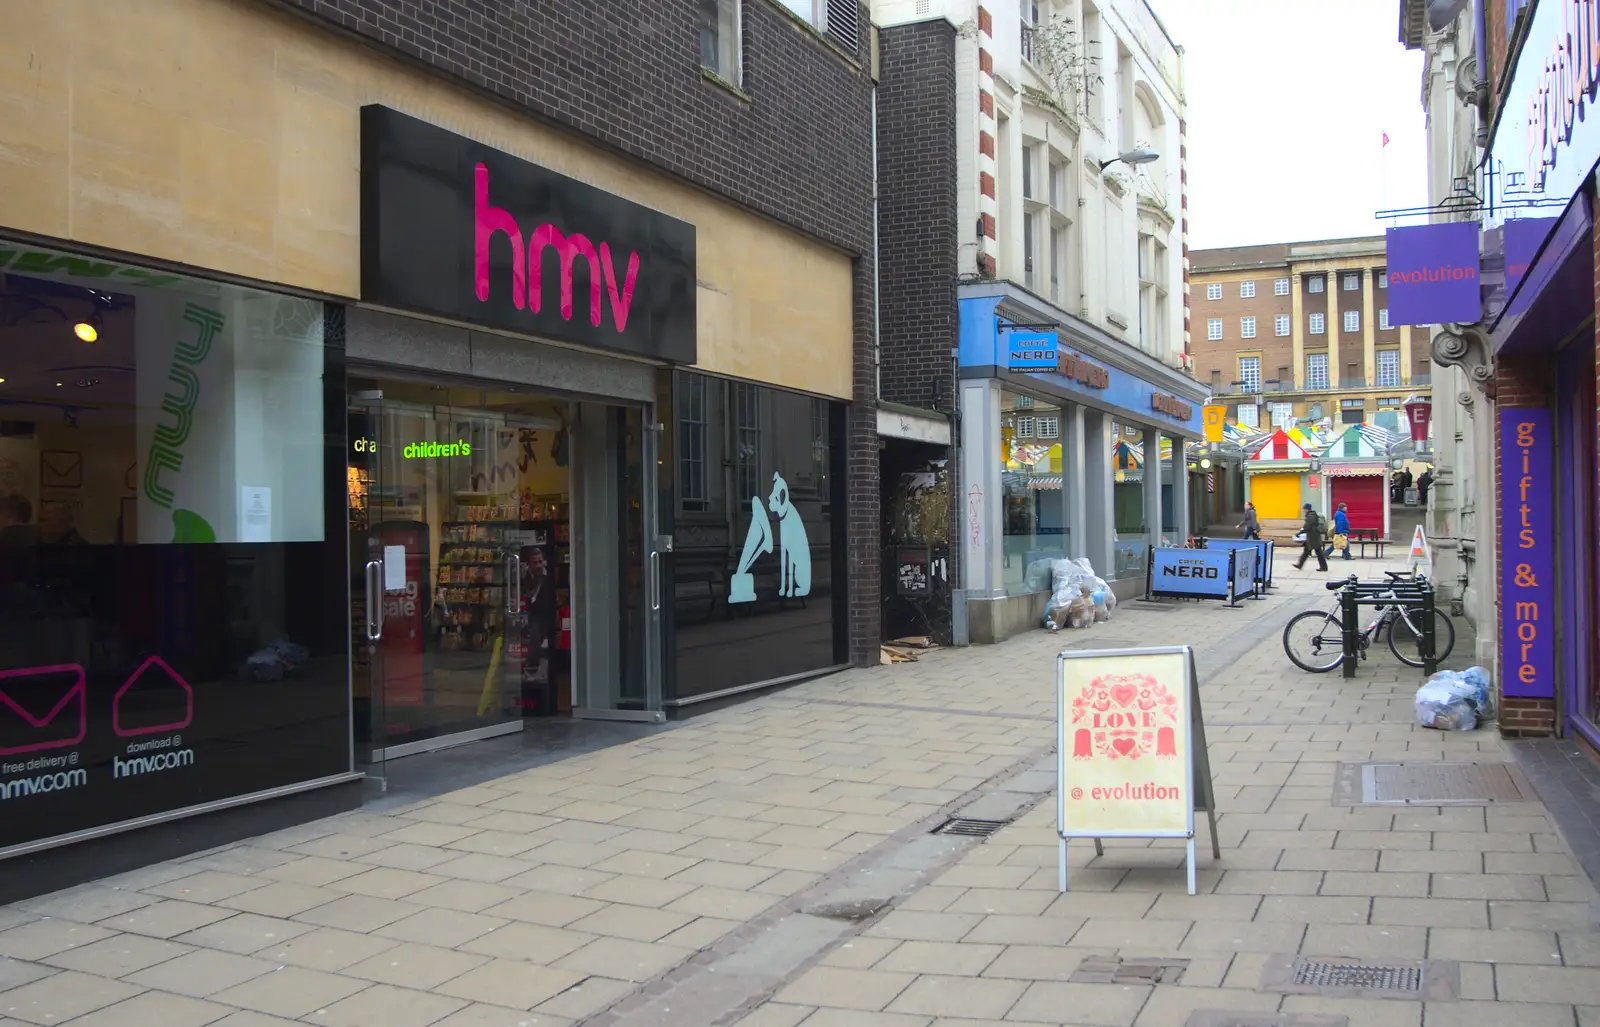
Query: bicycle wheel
1314, 641
1405, 641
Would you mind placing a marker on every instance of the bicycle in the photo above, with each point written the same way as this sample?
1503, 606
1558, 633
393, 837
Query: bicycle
1401, 625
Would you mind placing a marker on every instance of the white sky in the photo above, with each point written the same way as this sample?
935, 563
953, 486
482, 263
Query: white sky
1288, 101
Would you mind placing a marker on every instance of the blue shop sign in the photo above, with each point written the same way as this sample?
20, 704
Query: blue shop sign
1192, 573
987, 342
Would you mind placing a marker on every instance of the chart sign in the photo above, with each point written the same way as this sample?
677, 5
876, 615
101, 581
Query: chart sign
1131, 747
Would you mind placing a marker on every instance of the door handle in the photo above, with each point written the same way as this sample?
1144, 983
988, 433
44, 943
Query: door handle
374, 600
655, 580
513, 583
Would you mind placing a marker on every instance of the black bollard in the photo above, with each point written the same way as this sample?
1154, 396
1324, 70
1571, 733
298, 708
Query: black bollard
1350, 614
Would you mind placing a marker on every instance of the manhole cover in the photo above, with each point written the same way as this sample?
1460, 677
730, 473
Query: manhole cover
1429, 784
1224, 1018
968, 828
1422, 980
1119, 970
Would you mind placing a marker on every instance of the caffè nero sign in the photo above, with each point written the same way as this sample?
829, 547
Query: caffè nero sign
457, 229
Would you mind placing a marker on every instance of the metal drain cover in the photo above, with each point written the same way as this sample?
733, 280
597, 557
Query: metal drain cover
1421, 980
1429, 784
969, 828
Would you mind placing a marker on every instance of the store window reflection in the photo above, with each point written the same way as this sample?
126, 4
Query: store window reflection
1127, 498
1033, 500
755, 510
173, 625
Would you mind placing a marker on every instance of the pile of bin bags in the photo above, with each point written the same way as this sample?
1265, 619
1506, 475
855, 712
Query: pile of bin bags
1456, 700
1078, 596
276, 661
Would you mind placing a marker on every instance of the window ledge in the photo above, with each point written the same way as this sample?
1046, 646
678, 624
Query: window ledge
723, 84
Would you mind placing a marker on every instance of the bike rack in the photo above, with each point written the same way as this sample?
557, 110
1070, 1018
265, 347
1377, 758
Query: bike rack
1416, 594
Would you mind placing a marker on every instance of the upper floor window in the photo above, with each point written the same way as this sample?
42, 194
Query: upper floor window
1214, 291
1250, 373
1280, 287
1352, 283
1281, 324
1247, 290
1247, 328
1383, 318
1214, 329
1025, 427
1316, 370
1382, 276
1049, 427
1352, 320
1314, 284
719, 38
1318, 324
1024, 401
1388, 368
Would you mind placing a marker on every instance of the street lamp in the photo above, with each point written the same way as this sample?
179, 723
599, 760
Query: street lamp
1133, 158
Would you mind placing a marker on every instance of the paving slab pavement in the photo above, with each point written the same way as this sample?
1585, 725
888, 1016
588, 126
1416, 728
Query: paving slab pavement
771, 864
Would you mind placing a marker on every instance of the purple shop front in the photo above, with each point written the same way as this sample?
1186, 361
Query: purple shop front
1528, 614
1433, 274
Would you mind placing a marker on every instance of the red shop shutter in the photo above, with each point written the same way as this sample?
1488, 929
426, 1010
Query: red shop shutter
1363, 498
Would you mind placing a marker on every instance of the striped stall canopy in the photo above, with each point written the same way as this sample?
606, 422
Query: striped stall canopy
1127, 457
1279, 446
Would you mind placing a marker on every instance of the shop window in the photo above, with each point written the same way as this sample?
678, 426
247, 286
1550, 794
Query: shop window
719, 39
754, 582
174, 623
691, 404
1032, 509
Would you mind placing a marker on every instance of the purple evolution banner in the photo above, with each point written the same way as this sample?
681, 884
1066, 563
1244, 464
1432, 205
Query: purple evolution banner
1522, 237
1433, 274
1527, 553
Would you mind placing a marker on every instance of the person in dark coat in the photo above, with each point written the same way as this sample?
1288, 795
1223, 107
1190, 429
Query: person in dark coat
1424, 483
1251, 523
1312, 546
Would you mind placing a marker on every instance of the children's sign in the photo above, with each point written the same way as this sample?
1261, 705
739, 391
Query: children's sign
1132, 748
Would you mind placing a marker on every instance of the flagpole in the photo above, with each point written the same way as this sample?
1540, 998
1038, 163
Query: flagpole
1383, 174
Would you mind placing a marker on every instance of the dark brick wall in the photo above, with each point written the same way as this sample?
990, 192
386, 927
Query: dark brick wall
794, 145
627, 74
919, 235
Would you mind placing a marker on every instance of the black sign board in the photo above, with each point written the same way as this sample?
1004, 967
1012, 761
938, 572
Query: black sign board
460, 230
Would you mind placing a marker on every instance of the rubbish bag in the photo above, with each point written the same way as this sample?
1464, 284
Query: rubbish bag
1038, 575
1080, 612
1456, 700
1440, 706
1101, 611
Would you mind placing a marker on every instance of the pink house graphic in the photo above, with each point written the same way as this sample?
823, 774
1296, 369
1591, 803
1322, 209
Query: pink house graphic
155, 729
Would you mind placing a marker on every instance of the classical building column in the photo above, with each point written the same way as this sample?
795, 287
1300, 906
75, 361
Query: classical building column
1075, 483
1099, 517
1333, 326
1297, 329
1405, 354
982, 533
1369, 325
1180, 491
1152, 484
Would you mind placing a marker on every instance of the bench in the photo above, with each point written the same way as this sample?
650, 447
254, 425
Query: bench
1366, 536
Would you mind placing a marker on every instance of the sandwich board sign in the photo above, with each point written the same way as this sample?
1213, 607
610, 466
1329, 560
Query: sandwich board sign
1183, 573
1131, 749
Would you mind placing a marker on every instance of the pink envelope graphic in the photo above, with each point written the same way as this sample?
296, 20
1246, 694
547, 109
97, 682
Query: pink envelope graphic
154, 665
13, 683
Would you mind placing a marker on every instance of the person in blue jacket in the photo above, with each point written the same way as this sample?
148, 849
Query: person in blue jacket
1341, 526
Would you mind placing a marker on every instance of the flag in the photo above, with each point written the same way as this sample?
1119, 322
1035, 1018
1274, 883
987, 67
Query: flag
1386, 139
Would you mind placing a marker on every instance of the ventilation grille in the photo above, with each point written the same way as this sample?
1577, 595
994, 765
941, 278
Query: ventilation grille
844, 23
1361, 976
969, 828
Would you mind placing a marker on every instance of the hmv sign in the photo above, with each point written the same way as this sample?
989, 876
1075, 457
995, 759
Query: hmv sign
456, 229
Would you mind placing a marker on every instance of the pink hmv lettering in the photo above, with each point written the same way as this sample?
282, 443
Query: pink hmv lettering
152, 670
527, 261
64, 692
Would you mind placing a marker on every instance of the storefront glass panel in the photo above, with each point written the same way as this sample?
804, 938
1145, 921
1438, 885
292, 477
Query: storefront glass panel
753, 482
1033, 486
173, 613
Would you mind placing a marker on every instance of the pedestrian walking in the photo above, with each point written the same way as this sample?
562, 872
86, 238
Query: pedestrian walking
1424, 483
1341, 533
1251, 523
1311, 545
